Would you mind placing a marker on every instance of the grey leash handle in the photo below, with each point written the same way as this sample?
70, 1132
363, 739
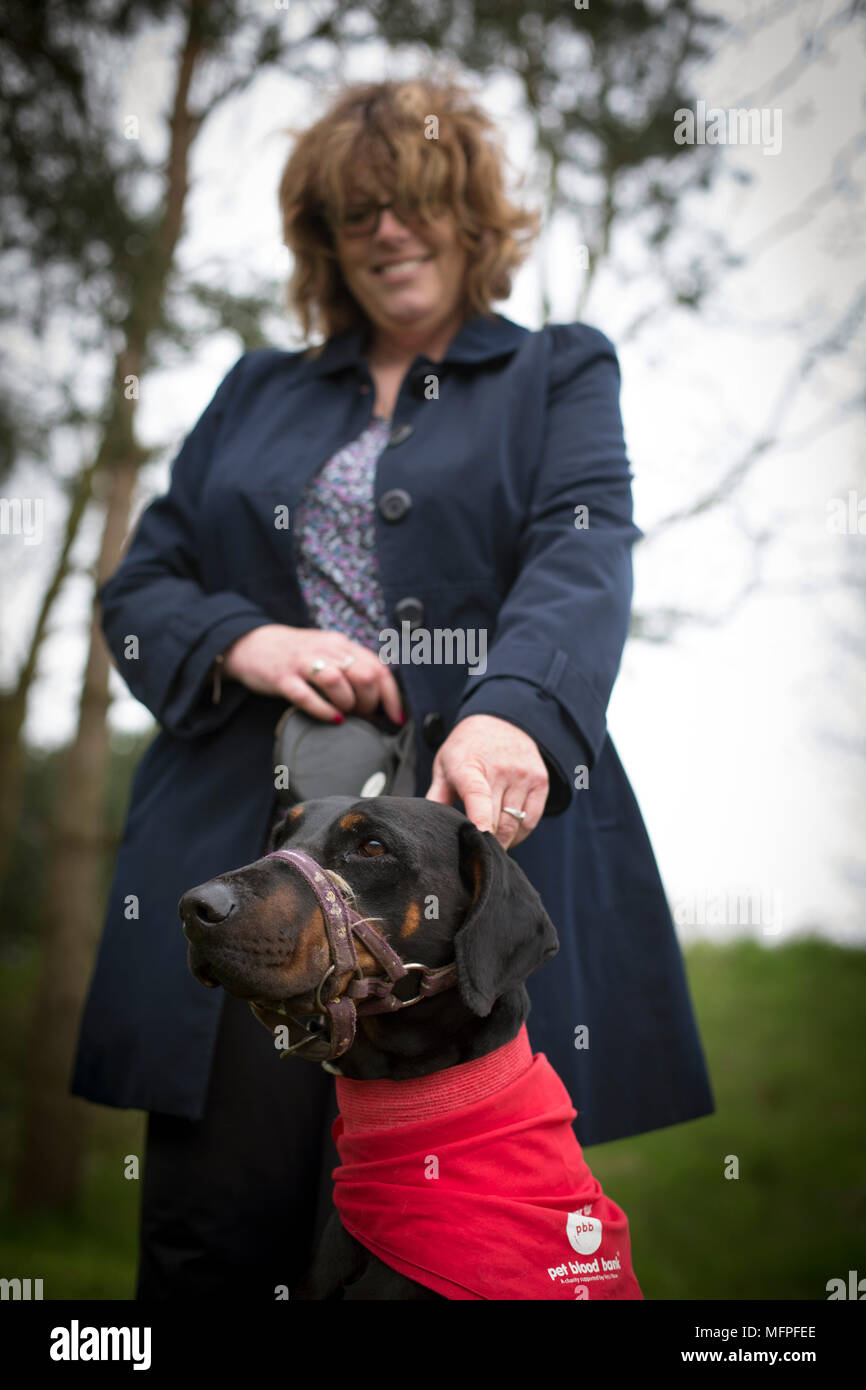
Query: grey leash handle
314, 758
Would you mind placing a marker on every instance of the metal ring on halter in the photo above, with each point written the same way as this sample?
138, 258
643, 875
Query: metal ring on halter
521, 815
413, 965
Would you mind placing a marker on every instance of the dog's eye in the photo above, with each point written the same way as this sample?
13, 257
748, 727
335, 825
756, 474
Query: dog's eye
371, 849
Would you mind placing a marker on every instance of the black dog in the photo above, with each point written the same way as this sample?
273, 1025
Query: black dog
440, 893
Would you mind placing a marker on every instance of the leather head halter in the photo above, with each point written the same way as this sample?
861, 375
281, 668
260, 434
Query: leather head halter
370, 994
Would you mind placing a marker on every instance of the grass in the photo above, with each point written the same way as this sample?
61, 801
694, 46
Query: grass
784, 1031
89, 1252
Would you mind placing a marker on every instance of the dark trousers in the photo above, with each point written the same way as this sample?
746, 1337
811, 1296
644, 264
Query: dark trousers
234, 1204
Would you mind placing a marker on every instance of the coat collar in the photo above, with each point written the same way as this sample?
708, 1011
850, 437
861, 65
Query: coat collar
479, 339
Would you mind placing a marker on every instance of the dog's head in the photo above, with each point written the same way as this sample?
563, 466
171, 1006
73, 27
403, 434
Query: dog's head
433, 885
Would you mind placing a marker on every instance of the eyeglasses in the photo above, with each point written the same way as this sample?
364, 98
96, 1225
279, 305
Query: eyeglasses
362, 219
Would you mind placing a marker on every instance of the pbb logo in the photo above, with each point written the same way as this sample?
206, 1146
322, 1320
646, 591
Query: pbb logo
583, 1231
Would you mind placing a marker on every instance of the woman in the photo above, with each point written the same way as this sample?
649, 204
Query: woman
441, 468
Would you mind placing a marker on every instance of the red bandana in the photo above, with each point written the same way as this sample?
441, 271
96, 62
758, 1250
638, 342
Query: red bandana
471, 1182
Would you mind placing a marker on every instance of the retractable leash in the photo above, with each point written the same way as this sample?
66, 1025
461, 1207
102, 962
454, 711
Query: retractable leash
365, 994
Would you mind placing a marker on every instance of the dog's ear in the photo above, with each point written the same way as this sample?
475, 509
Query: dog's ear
506, 934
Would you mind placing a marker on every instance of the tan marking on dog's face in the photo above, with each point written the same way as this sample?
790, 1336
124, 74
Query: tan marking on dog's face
365, 960
309, 958
412, 920
295, 812
351, 819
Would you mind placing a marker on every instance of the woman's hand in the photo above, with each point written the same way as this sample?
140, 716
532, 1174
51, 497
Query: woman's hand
278, 660
490, 764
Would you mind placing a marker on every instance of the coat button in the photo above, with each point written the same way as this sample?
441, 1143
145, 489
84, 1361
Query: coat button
410, 610
433, 730
394, 504
399, 433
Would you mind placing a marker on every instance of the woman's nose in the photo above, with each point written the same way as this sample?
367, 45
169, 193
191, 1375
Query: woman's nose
390, 224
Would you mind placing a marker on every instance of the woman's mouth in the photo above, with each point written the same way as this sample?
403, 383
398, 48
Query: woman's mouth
397, 270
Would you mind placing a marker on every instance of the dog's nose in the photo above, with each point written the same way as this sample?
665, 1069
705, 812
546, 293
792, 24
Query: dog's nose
207, 906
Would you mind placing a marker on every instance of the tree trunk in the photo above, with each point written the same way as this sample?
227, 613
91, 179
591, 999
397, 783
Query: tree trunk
13, 703
51, 1149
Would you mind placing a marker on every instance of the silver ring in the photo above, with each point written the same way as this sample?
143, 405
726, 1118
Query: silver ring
521, 815
347, 662
317, 666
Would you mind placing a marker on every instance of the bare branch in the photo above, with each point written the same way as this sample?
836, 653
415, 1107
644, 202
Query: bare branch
834, 341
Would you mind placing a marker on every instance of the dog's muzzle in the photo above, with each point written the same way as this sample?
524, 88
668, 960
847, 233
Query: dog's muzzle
364, 994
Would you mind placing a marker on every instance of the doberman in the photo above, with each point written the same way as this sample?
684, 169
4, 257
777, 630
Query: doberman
317, 936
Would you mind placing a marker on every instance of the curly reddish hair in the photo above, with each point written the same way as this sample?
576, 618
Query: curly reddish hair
383, 130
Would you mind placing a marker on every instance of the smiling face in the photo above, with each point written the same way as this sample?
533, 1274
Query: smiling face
408, 278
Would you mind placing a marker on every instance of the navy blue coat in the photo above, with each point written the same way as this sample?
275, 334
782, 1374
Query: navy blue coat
496, 446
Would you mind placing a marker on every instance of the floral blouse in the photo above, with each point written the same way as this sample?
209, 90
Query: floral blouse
335, 540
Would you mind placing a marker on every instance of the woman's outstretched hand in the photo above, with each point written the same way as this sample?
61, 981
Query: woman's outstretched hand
490, 764
278, 660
